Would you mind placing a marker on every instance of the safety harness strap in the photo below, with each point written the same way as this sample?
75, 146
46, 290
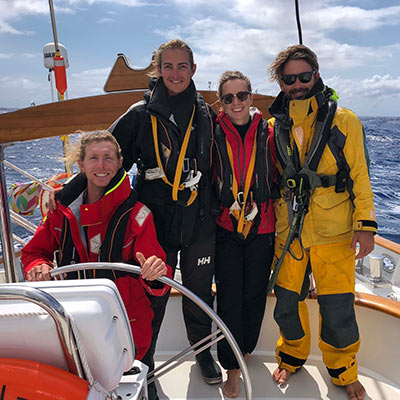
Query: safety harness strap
291, 175
176, 185
302, 182
239, 207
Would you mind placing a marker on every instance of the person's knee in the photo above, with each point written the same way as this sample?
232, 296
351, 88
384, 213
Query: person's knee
339, 327
286, 313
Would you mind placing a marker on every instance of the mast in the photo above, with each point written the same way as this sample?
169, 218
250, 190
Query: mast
298, 22
60, 76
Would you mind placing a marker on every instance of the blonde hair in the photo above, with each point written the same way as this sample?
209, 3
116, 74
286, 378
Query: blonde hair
174, 44
78, 150
230, 75
296, 52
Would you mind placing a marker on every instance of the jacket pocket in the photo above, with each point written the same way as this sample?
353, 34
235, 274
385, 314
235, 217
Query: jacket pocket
281, 214
331, 212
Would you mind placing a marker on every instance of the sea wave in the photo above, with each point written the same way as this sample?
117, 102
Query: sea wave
42, 158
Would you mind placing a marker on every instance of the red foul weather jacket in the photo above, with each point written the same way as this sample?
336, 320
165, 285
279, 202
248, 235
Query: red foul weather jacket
233, 156
87, 236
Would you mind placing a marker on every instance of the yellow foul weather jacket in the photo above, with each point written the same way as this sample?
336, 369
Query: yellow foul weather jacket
332, 217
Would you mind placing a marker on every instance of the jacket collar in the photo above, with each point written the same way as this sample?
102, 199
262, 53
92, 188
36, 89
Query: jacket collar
161, 103
283, 108
78, 185
255, 116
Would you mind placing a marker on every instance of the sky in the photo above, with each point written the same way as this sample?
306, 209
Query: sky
357, 43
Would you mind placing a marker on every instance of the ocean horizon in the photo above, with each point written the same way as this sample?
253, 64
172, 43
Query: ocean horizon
383, 143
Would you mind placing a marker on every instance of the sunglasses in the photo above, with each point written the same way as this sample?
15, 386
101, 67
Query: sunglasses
241, 96
304, 77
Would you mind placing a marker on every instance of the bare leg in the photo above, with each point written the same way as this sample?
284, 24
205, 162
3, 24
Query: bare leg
355, 391
231, 386
281, 375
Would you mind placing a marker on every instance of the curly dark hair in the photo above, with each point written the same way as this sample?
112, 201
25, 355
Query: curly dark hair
296, 52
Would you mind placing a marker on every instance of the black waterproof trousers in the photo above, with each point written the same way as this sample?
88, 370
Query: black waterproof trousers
242, 269
196, 264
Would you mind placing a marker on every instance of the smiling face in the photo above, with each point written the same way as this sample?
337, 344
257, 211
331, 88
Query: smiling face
176, 70
299, 90
100, 165
238, 111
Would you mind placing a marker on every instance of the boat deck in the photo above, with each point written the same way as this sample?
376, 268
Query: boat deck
311, 382
378, 361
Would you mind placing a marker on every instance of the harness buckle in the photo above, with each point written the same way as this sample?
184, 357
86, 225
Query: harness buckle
186, 164
252, 212
341, 181
295, 204
240, 198
192, 181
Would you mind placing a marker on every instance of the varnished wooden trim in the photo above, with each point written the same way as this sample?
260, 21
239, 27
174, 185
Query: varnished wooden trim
83, 114
124, 76
377, 303
387, 244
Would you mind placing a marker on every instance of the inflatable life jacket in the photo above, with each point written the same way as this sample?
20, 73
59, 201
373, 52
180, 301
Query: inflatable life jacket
188, 171
23, 379
111, 248
256, 188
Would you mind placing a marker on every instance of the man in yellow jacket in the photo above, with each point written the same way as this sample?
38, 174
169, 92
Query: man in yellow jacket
325, 210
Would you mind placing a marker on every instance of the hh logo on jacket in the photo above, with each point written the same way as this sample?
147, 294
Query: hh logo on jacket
204, 260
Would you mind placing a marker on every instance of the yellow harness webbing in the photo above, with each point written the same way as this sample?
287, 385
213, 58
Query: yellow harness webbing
178, 173
243, 226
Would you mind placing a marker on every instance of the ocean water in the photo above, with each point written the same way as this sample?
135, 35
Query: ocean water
41, 158
383, 143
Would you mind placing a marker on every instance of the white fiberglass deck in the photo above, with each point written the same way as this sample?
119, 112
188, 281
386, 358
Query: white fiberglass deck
380, 351
311, 382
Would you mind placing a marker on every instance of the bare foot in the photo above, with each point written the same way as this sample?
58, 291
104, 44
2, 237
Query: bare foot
281, 376
355, 391
231, 387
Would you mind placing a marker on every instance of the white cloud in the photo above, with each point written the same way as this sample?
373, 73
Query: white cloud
352, 18
315, 14
4, 56
105, 20
30, 55
13, 10
128, 3
89, 82
247, 35
22, 83
376, 88
377, 95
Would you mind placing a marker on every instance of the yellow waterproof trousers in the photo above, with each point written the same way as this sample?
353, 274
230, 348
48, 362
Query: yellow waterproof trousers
333, 267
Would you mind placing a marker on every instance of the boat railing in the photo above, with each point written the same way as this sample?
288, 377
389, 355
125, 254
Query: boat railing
9, 259
381, 268
222, 331
7, 215
17, 218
